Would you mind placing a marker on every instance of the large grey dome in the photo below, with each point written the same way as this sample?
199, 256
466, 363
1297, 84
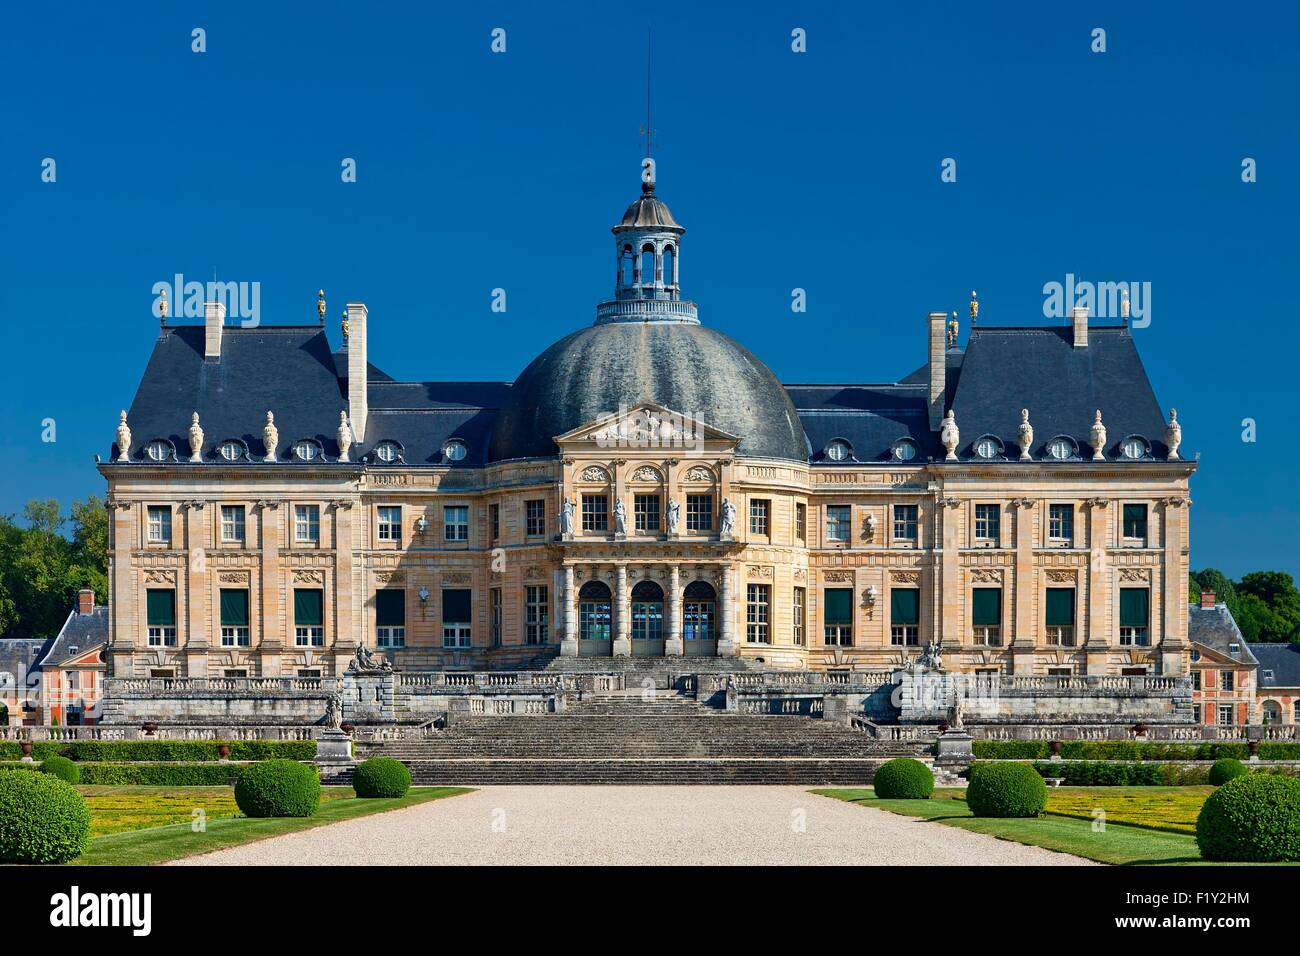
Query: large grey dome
687, 368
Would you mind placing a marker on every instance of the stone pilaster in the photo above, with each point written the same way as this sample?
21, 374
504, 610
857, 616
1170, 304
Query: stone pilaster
569, 642
673, 644
727, 646
192, 584
271, 594
1096, 626
622, 615
1174, 647
1022, 645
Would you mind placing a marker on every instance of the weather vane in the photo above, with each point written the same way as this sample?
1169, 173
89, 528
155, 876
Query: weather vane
646, 130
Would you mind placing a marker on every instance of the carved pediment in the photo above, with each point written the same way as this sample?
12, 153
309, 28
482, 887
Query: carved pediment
646, 426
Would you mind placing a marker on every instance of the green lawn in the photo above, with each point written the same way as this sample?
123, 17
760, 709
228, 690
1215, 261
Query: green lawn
158, 844
1117, 843
116, 809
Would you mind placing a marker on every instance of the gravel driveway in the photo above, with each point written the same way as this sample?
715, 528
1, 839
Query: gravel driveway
636, 825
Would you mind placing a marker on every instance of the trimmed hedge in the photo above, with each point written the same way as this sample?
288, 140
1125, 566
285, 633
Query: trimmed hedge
61, 767
1005, 790
278, 788
903, 779
1129, 750
171, 751
1251, 819
162, 774
381, 777
42, 819
1084, 773
1226, 769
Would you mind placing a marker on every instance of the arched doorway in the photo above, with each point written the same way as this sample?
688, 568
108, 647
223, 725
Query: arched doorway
647, 620
595, 620
700, 620
1272, 712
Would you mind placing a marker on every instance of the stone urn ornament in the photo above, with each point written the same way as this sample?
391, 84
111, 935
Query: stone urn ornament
1098, 438
1139, 730
345, 436
1173, 434
223, 752
950, 435
1025, 436
26, 747
123, 438
196, 439
270, 437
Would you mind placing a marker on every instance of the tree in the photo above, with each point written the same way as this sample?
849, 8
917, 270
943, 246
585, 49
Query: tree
1265, 604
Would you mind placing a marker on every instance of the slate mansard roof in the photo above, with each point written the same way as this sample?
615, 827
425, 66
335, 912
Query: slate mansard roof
1215, 628
292, 371
80, 633
1279, 664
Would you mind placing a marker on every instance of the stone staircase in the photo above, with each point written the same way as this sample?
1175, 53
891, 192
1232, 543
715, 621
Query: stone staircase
630, 737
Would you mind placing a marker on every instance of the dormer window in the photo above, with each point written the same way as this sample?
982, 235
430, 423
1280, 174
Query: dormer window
232, 449
160, 450
839, 450
454, 450
307, 449
987, 447
388, 451
1062, 448
1135, 447
1268, 674
904, 449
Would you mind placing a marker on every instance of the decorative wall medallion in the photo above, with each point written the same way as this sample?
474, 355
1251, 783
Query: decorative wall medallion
698, 473
838, 576
534, 574
233, 577
987, 575
646, 473
763, 572
160, 576
390, 577
1061, 574
308, 576
906, 577
800, 575
457, 577
1134, 574
594, 473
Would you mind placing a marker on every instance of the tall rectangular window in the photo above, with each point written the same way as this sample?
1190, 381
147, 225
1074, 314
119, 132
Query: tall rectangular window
455, 523
699, 512
160, 524
494, 521
234, 617
306, 524
232, 524
905, 523
1060, 617
455, 618
1060, 524
986, 616
905, 617
390, 523
494, 628
1135, 523
537, 618
595, 513
535, 517
308, 617
838, 522
987, 523
390, 617
1134, 617
759, 516
837, 617
160, 617
801, 521
798, 608
1227, 680
645, 512
1225, 715
758, 613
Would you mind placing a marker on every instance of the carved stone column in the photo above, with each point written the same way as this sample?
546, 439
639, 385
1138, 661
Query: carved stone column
727, 645
673, 645
192, 588
623, 615
1096, 628
1173, 644
1022, 645
569, 642
273, 629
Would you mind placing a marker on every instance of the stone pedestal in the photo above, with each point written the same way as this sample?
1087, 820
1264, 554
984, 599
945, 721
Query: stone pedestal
953, 748
835, 709
334, 747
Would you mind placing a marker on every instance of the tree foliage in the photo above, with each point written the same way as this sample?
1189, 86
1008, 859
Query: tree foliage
1265, 604
42, 568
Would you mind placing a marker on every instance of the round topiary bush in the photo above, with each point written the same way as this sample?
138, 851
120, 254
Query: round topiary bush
278, 788
1252, 819
903, 779
1226, 769
61, 767
381, 777
42, 819
1005, 790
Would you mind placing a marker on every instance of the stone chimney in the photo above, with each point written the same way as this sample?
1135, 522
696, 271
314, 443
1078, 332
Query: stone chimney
214, 321
938, 366
358, 399
1207, 599
86, 601
1079, 317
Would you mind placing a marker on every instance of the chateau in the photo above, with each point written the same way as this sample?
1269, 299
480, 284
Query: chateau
646, 487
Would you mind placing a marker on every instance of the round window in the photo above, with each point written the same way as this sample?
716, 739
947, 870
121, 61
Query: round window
838, 450
231, 450
986, 448
454, 450
1134, 448
904, 450
1059, 449
387, 451
306, 450
158, 450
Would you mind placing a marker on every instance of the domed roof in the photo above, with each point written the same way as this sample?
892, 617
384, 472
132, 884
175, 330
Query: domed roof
648, 212
687, 368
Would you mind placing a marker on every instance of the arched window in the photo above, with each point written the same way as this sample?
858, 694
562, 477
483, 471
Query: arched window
627, 267
647, 612
1295, 716
1272, 712
699, 611
670, 266
647, 265
594, 611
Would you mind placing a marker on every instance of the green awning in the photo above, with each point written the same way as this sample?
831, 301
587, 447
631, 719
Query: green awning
986, 606
904, 606
1060, 607
837, 608
234, 608
1134, 607
308, 608
455, 606
160, 606
390, 607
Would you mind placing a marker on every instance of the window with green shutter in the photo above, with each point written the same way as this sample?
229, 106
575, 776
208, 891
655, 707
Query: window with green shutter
308, 617
456, 605
986, 606
905, 617
234, 617
160, 617
1135, 521
1134, 616
837, 617
1060, 617
390, 617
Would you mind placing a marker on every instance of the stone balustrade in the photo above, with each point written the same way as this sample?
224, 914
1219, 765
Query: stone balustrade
1164, 733
110, 733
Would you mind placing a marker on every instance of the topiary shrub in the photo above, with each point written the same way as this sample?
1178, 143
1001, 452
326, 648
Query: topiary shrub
381, 777
42, 819
1005, 790
903, 779
1226, 769
61, 767
278, 788
1251, 819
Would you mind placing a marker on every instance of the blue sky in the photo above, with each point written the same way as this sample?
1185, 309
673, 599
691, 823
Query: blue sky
818, 170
